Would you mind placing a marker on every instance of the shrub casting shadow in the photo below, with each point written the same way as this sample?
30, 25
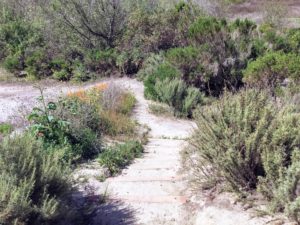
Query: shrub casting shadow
93, 209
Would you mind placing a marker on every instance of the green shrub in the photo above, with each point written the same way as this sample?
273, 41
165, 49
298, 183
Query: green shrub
71, 124
150, 65
251, 143
119, 156
206, 29
61, 75
179, 96
163, 72
79, 72
270, 70
33, 182
293, 37
188, 61
5, 128
234, 130
101, 61
36, 64
13, 63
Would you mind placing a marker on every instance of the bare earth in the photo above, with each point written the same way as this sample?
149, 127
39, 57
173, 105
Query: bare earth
152, 190
253, 9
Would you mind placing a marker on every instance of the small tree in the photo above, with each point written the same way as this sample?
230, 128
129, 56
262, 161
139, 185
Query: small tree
93, 20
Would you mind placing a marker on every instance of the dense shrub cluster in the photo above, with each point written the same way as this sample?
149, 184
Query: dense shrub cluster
35, 166
251, 143
76, 122
33, 182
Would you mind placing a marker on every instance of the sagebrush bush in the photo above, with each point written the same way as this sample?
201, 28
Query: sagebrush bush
179, 96
251, 142
33, 182
234, 129
163, 72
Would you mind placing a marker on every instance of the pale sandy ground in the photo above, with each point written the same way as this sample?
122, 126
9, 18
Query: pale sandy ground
152, 190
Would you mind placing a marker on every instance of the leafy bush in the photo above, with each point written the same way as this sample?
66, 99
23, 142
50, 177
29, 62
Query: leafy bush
61, 75
268, 71
178, 95
5, 128
70, 124
13, 63
251, 143
33, 182
150, 65
188, 60
119, 156
163, 72
101, 61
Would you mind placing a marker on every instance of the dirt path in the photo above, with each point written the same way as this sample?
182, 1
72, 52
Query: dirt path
152, 188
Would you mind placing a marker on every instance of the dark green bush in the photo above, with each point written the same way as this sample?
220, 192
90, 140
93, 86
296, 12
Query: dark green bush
119, 156
33, 182
207, 29
268, 71
13, 63
101, 61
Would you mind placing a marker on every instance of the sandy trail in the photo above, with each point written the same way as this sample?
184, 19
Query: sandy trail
151, 191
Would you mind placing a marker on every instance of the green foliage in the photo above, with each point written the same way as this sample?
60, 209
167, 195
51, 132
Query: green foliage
5, 128
33, 182
251, 143
150, 65
189, 61
179, 96
206, 29
68, 124
294, 39
269, 70
101, 61
235, 127
163, 72
119, 156
13, 62
62, 75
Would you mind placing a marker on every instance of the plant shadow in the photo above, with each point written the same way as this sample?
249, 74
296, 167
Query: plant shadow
94, 209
